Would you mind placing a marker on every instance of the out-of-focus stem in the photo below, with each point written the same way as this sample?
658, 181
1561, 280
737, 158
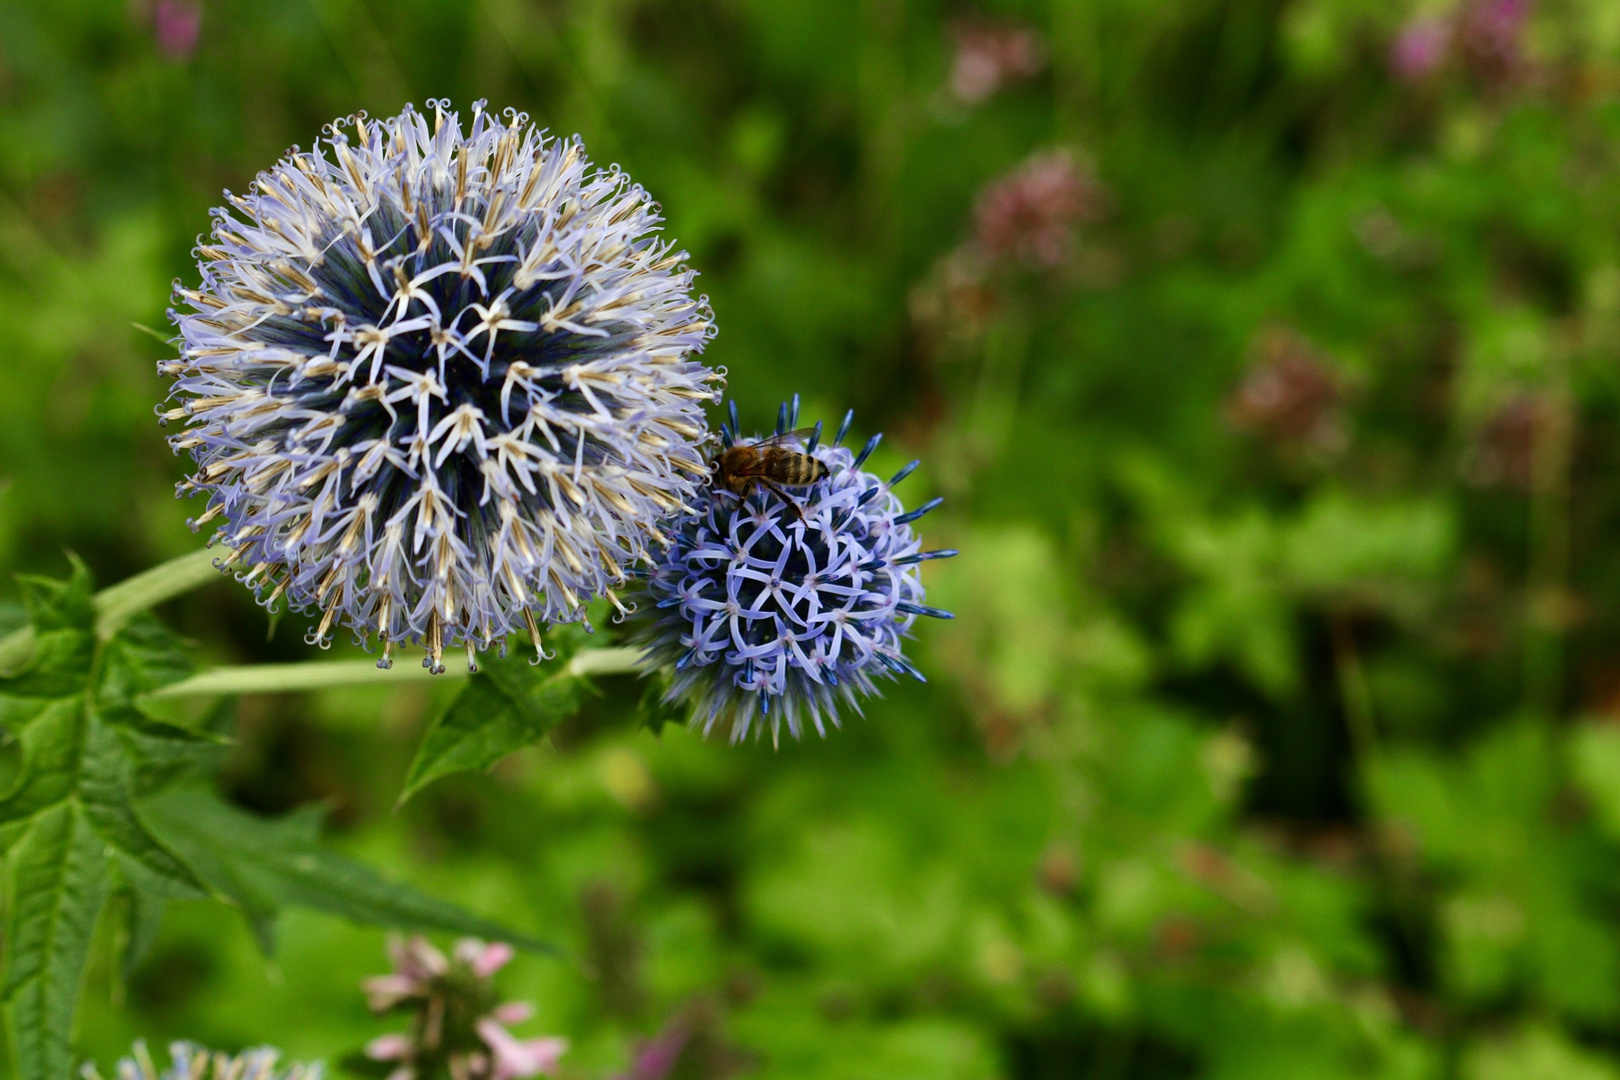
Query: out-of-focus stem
1355, 696
1546, 592
1076, 61
881, 88
328, 675
117, 604
995, 400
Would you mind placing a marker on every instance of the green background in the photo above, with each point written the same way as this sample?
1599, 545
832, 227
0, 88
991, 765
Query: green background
1255, 751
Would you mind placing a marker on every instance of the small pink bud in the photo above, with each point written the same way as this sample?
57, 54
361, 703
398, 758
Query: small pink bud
176, 25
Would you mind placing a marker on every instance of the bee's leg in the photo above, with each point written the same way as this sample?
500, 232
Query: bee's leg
781, 493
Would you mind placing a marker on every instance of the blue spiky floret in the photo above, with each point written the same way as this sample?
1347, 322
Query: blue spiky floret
439, 384
762, 613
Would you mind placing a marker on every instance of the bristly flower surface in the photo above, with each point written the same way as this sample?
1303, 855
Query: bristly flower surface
439, 383
188, 1061
773, 614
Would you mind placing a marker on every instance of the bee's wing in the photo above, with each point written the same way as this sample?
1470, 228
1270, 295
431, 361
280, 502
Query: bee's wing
798, 435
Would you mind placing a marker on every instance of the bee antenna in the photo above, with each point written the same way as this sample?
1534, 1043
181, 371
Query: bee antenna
731, 410
843, 429
815, 438
793, 414
782, 419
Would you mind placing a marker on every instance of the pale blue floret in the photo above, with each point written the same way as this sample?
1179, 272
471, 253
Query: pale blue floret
763, 613
188, 1061
440, 384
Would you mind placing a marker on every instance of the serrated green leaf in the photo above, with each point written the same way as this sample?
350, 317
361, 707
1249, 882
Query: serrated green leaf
51, 739
69, 810
55, 605
506, 706
142, 657
106, 782
145, 919
64, 622
58, 887
163, 753
76, 805
264, 865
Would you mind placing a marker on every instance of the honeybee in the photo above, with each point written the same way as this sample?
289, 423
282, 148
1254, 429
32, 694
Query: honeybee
770, 464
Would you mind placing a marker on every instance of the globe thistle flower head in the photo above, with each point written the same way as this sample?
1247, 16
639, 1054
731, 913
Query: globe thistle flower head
774, 613
439, 382
188, 1061
458, 1024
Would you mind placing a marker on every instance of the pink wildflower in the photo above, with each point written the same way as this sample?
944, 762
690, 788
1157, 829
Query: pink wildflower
457, 1025
1291, 394
990, 56
657, 1057
1030, 214
1491, 35
176, 25
1420, 48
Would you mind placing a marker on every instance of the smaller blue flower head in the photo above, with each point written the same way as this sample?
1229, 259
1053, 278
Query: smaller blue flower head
785, 612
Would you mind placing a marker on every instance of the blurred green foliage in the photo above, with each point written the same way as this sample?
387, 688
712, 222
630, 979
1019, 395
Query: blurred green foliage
1279, 731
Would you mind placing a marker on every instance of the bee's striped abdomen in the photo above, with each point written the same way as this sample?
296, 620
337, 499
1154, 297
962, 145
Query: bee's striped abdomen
793, 469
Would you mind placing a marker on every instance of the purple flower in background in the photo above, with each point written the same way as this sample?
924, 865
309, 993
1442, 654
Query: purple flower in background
1029, 214
175, 25
1488, 35
1491, 35
457, 1026
658, 1055
785, 612
188, 1061
1503, 451
439, 383
1291, 394
1420, 48
989, 56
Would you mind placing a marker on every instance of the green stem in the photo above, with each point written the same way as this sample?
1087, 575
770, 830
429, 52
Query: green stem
1546, 588
327, 675
117, 604
1355, 696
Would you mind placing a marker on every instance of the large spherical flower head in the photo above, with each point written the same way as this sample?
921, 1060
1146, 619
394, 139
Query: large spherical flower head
440, 383
785, 611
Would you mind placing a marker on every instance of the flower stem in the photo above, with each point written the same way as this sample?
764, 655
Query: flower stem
117, 604
327, 675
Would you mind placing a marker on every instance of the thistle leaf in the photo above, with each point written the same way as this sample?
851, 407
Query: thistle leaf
264, 864
58, 886
69, 814
507, 705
